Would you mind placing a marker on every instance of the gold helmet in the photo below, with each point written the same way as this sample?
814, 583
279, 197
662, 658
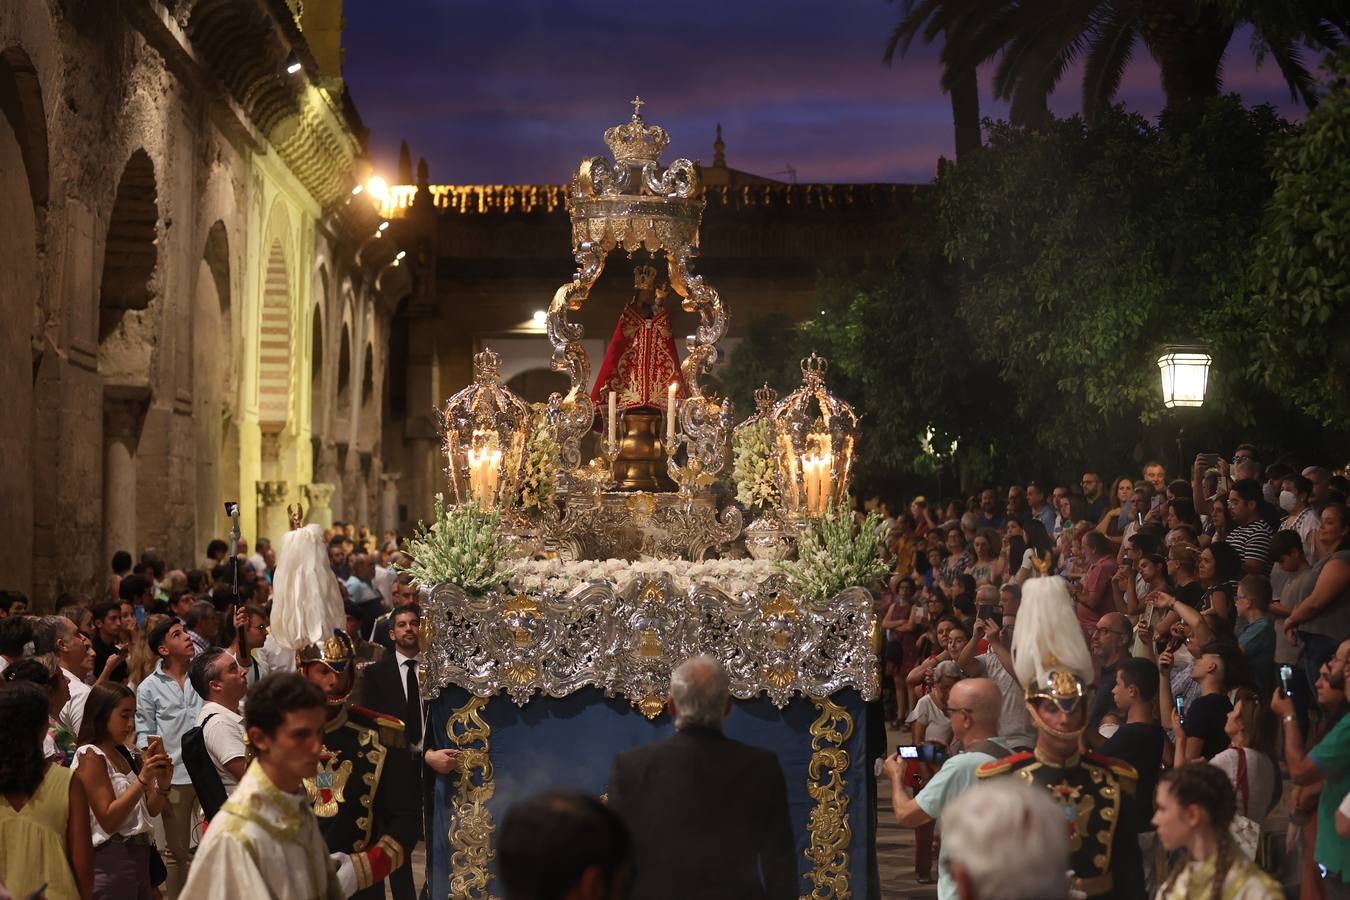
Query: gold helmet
338, 653
1050, 654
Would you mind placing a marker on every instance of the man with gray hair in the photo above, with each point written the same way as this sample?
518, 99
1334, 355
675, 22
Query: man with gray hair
709, 815
1005, 840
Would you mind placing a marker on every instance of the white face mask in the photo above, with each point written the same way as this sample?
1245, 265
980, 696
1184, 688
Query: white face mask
1287, 501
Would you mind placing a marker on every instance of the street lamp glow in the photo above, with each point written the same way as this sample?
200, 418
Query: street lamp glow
540, 317
382, 227
398, 256
378, 189
292, 64
1185, 375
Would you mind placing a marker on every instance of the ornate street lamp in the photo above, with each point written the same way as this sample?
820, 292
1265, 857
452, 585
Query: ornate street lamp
1185, 375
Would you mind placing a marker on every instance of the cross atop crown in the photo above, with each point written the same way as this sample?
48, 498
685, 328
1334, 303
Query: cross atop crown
638, 103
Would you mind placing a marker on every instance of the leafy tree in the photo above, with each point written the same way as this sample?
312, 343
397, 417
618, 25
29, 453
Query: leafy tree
1300, 274
1036, 43
1083, 250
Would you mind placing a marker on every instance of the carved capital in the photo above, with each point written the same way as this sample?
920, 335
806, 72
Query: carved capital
320, 494
272, 493
389, 480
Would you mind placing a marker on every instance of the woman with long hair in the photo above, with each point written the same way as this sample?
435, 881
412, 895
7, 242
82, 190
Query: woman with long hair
1249, 761
44, 817
123, 799
1183, 565
987, 567
1195, 806
895, 623
1219, 524
1181, 511
1219, 569
1121, 501
1039, 553
141, 660
1320, 619
45, 672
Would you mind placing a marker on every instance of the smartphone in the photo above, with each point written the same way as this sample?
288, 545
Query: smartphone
907, 752
153, 743
1287, 680
1139, 518
1181, 710
1210, 459
984, 611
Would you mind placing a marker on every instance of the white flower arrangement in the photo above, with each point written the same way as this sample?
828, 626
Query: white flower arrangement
460, 548
754, 468
731, 576
832, 555
539, 480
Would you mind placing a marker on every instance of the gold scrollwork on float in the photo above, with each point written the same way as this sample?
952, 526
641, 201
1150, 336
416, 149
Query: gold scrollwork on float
471, 825
827, 825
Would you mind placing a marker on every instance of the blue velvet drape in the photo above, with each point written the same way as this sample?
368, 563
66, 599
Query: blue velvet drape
571, 742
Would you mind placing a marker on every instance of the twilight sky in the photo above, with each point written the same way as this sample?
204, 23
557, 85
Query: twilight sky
518, 91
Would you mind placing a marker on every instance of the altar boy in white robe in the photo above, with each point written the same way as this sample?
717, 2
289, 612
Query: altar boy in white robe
265, 841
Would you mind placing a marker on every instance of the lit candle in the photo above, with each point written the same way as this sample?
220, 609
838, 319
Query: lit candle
826, 476
613, 414
670, 413
475, 474
493, 464
810, 481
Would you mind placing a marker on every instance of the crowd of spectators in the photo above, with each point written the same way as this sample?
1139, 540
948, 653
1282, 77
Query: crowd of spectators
1217, 610
98, 700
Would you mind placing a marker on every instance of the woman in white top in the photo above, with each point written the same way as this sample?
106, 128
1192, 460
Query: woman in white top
122, 801
1247, 762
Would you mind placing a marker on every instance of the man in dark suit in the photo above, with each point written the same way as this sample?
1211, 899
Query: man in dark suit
709, 815
390, 686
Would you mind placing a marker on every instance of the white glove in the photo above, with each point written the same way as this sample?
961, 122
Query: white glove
346, 872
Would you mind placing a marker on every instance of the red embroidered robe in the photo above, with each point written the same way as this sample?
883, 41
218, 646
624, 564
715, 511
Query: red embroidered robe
640, 364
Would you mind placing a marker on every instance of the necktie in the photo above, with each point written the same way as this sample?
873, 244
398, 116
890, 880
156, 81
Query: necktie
413, 720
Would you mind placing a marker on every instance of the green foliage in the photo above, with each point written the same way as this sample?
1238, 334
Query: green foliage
1300, 272
832, 554
459, 548
1083, 250
770, 353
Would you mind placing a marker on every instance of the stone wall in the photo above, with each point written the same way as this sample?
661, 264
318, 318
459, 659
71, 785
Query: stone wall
143, 190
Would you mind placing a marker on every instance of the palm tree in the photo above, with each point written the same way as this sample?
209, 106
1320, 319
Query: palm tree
1036, 42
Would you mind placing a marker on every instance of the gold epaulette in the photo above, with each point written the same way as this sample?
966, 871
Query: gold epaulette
391, 728
1001, 766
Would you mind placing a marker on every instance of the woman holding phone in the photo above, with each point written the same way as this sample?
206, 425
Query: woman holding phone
123, 798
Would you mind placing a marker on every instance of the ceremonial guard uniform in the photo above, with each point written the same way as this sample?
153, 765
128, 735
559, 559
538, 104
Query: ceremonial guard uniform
365, 794
1097, 793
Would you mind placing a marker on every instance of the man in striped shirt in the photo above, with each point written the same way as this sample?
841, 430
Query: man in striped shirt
1251, 535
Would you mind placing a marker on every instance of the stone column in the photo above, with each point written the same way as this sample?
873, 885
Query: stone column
272, 520
389, 502
121, 432
320, 496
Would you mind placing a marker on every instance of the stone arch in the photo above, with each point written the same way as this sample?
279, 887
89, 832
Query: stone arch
215, 419
369, 394
130, 254
318, 400
128, 338
21, 104
18, 292
535, 385
274, 341
344, 374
